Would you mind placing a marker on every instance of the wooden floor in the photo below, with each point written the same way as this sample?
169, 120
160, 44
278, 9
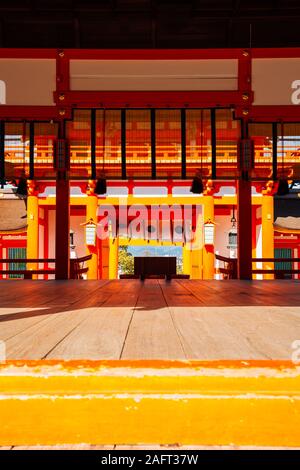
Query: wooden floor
128, 319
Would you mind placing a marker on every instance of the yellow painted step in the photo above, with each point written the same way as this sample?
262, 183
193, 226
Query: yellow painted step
150, 402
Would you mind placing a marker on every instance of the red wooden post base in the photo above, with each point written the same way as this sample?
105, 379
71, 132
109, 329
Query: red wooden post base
62, 227
244, 229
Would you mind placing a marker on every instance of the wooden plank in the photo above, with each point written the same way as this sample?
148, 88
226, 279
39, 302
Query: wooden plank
206, 293
277, 293
33, 294
102, 334
176, 294
36, 341
270, 330
18, 322
234, 332
206, 335
151, 320
152, 334
26, 332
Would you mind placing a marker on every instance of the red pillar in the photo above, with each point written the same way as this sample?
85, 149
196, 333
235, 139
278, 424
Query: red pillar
62, 226
244, 229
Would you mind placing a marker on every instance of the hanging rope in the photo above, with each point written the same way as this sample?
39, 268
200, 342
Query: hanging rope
282, 148
283, 185
24, 145
103, 133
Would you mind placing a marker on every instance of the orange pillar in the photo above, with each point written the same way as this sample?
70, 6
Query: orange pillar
113, 257
104, 258
267, 220
208, 250
91, 214
32, 250
103, 249
186, 258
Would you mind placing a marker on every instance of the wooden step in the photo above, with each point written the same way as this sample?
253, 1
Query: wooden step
241, 403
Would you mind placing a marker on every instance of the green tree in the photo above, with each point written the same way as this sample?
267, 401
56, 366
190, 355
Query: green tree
126, 261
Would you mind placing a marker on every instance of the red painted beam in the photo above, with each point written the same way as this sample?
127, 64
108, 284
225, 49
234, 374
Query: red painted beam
150, 99
241, 100
152, 54
148, 54
275, 52
15, 53
274, 113
30, 113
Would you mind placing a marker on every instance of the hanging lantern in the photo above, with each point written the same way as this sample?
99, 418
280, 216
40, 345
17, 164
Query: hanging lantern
72, 238
90, 232
232, 234
209, 233
232, 238
73, 254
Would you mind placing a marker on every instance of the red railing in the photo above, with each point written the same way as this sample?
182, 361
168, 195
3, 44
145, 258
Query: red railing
279, 273
230, 267
77, 268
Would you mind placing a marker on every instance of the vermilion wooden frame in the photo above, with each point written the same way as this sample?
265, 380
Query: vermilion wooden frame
65, 99
151, 99
147, 54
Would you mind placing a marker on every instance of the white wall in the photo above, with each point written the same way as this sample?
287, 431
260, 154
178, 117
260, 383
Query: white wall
223, 226
79, 239
51, 234
51, 237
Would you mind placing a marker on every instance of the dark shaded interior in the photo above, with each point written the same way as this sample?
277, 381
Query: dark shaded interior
149, 23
